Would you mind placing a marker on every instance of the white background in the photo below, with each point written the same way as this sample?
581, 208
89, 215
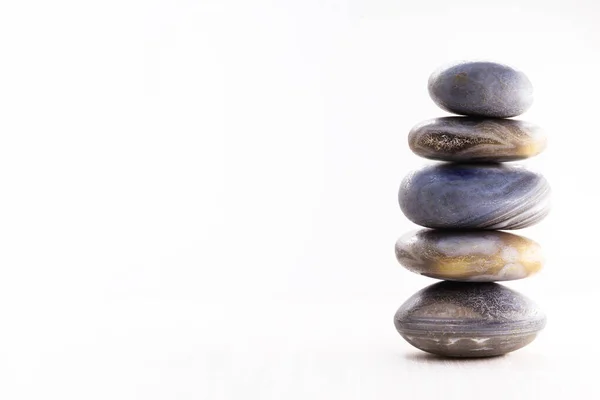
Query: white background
198, 198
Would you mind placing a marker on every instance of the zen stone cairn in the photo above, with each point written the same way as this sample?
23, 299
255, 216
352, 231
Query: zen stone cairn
466, 201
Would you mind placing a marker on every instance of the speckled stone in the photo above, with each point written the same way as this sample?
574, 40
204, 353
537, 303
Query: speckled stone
480, 88
474, 196
470, 139
470, 256
459, 319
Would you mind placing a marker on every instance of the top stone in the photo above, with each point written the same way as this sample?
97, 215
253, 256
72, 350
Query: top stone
481, 89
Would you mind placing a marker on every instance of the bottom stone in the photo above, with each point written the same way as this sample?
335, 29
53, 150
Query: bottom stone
473, 346
458, 319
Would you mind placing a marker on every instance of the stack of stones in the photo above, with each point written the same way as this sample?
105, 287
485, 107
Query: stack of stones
466, 201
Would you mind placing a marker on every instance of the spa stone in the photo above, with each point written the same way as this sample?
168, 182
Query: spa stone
474, 196
458, 319
484, 89
470, 256
470, 139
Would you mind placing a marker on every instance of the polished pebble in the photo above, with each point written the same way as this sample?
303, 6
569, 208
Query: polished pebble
480, 88
459, 319
469, 256
474, 196
470, 139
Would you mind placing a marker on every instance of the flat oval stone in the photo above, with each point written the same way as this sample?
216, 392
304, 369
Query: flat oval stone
459, 319
481, 88
469, 256
474, 196
471, 139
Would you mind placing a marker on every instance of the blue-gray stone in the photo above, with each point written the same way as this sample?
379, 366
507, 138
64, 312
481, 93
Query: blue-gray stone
459, 319
474, 196
484, 89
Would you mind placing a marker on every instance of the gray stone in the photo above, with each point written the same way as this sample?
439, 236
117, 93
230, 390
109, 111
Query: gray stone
469, 256
474, 196
471, 139
458, 319
481, 88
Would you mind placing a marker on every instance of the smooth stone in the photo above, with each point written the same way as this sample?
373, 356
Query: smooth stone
469, 256
481, 88
471, 139
474, 196
459, 319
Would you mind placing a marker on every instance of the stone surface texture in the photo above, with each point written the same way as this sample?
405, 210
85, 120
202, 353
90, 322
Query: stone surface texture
474, 196
481, 88
459, 319
470, 256
470, 139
